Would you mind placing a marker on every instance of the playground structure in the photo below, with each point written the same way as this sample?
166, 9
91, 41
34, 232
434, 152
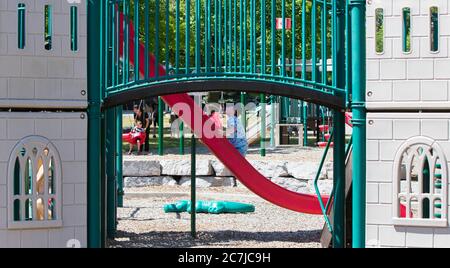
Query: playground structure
60, 169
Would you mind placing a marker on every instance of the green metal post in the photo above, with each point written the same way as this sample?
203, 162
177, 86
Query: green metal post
339, 133
305, 124
181, 137
262, 114
103, 182
95, 85
160, 126
193, 186
244, 112
272, 121
358, 69
111, 185
119, 170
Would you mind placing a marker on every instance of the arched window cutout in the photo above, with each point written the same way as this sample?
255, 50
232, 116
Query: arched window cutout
34, 185
434, 29
420, 184
379, 31
406, 42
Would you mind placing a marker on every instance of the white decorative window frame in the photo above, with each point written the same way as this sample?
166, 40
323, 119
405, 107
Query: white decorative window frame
40, 143
438, 153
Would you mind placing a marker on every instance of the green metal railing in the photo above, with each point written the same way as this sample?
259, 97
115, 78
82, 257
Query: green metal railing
222, 39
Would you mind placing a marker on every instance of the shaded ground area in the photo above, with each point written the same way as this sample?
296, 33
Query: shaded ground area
143, 223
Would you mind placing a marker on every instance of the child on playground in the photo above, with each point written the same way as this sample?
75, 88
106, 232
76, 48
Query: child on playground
235, 132
215, 117
136, 136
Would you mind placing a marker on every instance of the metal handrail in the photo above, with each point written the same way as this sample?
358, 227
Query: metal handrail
327, 206
316, 187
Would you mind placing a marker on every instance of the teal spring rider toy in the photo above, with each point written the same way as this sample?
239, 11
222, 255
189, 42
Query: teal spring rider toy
212, 207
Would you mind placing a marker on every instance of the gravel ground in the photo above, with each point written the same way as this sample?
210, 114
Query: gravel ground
143, 223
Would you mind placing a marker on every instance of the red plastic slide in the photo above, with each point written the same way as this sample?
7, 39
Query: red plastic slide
230, 157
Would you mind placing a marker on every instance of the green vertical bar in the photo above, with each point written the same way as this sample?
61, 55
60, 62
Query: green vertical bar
193, 186
160, 126
188, 36
273, 39
197, 38
358, 66
167, 19
304, 41
235, 36
272, 121
245, 35
103, 186
107, 49
324, 32
177, 38
113, 45
334, 41
241, 35
339, 155
119, 170
225, 34
348, 58
283, 38
219, 41
136, 40
117, 32
314, 41
244, 112
157, 9
230, 36
147, 40
95, 84
111, 184
252, 36
126, 47
305, 123
207, 36
293, 39
181, 138
263, 125
263, 36
215, 36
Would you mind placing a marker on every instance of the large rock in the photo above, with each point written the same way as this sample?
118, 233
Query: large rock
271, 169
305, 170
141, 168
291, 184
325, 186
220, 170
204, 182
182, 167
148, 181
